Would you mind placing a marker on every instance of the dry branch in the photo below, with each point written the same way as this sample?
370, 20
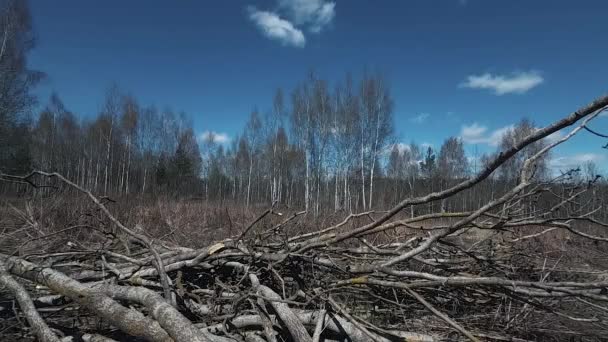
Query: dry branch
394, 278
40, 328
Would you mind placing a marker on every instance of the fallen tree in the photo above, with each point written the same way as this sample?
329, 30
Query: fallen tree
471, 275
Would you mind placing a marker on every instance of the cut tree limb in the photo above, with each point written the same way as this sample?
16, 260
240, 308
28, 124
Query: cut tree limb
40, 328
295, 327
129, 321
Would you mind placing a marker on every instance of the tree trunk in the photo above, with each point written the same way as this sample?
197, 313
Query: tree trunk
108, 160
362, 175
306, 183
249, 180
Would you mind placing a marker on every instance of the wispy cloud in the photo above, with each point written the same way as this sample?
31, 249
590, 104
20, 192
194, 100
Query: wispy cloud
576, 160
276, 28
478, 134
216, 137
313, 14
420, 118
516, 83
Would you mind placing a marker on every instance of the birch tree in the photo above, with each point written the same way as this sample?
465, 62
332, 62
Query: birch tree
252, 133
377, 124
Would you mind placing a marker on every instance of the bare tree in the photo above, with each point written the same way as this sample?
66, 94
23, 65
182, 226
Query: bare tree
130, 116
377, 110
16, 41
209, 147
253, 134
302, 127
513, 136
452, 162
373, 276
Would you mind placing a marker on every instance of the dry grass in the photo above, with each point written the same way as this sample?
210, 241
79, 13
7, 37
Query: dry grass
49, 224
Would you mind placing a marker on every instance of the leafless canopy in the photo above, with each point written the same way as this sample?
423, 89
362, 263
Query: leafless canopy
375, 276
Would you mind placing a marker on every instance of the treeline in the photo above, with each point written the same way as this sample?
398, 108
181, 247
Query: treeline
126, 149
316, 149
320, 146
17, 80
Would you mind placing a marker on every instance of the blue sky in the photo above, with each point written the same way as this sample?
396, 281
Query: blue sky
456, 68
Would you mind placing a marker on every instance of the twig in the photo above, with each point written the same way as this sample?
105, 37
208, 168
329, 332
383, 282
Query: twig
441, 315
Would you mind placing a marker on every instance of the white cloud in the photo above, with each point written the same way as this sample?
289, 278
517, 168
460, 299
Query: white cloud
473, 159
517, 83
553, 137
496, 136
573, 161
473, 134
401, 147
217, 137
273, 27
286, 23
477, 134
420, 118
314, 14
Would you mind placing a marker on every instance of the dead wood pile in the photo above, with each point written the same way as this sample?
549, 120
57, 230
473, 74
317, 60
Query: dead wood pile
475, 275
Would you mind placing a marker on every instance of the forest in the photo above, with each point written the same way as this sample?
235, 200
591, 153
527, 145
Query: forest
322, 151
315, 223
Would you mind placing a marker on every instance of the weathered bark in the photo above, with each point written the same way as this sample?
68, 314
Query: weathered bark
40, 328
96, 338
335, 327
178, 326
295, 327
130, 321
